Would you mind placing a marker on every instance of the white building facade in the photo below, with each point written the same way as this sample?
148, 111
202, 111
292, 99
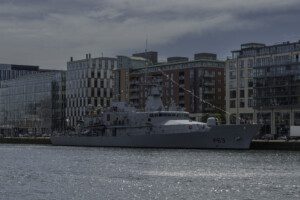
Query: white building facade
89, 84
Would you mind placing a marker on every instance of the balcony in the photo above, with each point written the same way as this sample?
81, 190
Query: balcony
206, 91
209, 83
134, 89
274, 63
277, 74
206, 75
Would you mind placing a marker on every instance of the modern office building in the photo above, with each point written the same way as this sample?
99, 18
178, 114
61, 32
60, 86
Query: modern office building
263, 85
203, 77
150, 56
11, 71
89, 84
33, 103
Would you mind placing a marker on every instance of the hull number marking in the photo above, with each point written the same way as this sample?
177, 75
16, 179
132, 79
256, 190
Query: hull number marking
219, 140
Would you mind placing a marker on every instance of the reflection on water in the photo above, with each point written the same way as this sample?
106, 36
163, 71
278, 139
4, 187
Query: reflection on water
48, 172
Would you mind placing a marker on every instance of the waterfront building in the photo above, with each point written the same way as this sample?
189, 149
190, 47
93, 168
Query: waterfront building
151, 56
125, 65
263, 86
89, 84
33, 103
11, 71
203, 77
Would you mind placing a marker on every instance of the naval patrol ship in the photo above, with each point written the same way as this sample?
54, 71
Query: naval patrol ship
122, 125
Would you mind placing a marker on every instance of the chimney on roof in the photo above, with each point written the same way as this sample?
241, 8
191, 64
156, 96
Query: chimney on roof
71, 59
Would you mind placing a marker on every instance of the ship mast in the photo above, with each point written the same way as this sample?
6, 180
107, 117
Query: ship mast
146, 73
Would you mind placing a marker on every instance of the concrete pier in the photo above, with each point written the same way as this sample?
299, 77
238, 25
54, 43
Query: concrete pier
25, 140
275, 145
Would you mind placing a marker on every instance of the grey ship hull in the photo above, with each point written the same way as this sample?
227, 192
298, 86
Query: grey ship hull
218, 137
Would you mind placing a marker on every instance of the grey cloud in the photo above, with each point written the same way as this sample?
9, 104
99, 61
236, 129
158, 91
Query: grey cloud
48, 32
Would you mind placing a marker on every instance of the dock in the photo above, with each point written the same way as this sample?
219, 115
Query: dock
25, 140
293, 145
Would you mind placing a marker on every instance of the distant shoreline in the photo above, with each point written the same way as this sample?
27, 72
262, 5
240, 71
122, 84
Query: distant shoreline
255, 145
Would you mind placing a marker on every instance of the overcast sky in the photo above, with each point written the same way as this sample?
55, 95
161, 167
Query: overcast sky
48, 32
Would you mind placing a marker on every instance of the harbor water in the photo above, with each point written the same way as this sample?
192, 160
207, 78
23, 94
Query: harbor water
30, 172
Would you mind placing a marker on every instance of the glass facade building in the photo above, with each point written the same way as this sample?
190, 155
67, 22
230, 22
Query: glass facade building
34, 103
263, 86
10, 71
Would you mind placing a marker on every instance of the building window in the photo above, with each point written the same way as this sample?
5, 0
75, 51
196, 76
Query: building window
232, 75
250, 63
232, 84
297, 118
242, 93
232, 104
250, 93
232, 119
242, 83
242, 63
233, 94
242, 73
250, 73
250, 83
250, 103
242, 103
